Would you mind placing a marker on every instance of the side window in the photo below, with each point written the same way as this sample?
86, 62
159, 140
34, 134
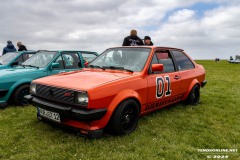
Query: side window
183, 62
163, 57
155, 60
61, 62
71, 60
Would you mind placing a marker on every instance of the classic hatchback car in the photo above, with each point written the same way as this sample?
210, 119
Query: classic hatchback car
117, 87
14, 82
12, 59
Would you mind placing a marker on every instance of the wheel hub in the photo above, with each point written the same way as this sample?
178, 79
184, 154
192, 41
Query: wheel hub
127, 118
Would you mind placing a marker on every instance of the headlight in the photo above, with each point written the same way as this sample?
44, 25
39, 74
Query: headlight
33, 88
81, 98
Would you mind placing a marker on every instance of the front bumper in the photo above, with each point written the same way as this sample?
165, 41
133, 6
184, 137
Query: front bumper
68, 112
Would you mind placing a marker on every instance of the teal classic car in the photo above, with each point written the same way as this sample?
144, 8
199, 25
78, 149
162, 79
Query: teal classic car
14, 82
12, 59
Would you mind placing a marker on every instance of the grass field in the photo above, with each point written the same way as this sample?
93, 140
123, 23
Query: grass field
174, 133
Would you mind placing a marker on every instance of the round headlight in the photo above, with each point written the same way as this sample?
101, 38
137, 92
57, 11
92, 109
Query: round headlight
33, 88
82, 98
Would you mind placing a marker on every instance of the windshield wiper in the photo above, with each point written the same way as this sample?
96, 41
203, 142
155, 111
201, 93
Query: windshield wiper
94, 66
30, 66
119, 68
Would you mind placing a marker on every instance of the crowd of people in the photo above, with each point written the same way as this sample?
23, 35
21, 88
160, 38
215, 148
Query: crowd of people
131, 40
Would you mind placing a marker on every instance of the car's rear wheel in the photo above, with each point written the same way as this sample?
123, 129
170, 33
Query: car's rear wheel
194, 95
125, 117
19, 94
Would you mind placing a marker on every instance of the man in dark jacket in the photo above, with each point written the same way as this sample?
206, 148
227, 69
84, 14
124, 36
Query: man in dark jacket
9, 48
21, 47
147, 41
132, 40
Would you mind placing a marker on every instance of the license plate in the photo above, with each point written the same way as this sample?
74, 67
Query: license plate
50, 115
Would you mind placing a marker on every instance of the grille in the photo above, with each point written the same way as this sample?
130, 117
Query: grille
55, 94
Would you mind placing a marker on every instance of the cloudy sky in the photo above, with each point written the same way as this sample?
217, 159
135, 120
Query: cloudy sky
205, 29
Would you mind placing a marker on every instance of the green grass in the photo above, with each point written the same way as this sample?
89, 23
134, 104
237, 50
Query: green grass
172, 133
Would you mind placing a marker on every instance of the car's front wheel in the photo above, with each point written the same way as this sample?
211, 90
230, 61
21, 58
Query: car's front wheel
194, 95
125, 117
19, 94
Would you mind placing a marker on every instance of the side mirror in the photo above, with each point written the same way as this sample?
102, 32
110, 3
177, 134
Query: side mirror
55, 65
157, 67
15, 63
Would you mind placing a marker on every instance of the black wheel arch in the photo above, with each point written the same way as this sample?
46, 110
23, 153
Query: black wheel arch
16, 88
129, 98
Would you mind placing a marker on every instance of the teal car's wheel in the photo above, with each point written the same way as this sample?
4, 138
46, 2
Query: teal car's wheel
125, 117
19, 94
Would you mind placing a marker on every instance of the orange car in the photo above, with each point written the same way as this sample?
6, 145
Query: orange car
116, 88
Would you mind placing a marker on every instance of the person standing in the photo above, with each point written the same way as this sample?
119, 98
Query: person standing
132, 40
9, 48
147, 41
21, 47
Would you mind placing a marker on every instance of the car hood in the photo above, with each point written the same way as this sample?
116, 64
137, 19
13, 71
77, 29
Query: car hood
15, 71
83, 80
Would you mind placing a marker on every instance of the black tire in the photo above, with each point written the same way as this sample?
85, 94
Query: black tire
125, 117
194, 96
19, 94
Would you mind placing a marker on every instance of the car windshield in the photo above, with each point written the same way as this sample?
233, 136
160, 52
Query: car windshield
132, 59
6, 58
40, 59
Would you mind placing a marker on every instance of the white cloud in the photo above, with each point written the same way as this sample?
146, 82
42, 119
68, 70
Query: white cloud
181, 16
97, 25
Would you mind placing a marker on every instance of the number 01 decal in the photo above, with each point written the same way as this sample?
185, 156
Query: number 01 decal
161, 85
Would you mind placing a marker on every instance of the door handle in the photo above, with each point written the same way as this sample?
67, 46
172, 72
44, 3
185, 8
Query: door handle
177, 77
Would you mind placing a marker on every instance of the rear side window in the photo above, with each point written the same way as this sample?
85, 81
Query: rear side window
182, 61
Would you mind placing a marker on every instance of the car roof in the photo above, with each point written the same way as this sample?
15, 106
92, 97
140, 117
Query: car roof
152, 47
67, 51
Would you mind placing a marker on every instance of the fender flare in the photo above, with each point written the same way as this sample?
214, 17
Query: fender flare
120, 97
193, 83
16, 85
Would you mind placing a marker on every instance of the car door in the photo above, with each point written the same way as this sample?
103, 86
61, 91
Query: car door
164, 86
68, 61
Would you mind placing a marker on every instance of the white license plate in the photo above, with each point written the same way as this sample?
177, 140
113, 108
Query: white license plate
49, 114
